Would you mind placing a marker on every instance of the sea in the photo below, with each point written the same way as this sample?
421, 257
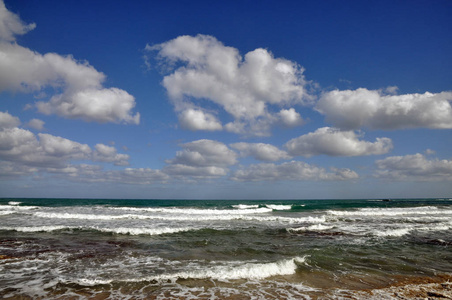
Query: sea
224, 249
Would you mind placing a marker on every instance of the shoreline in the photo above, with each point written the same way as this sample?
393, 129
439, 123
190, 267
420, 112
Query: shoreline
403, 287
438, 287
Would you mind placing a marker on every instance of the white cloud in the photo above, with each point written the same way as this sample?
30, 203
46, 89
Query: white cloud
142, 176
196, 119
17, 144
290, 118
8, 121
23, 148
353, 109
205, 153
96, 174
244, 87
392, 90
196, 172
77, 85
101, 105
333, 142
293, 170
106, 153
251, 128
261, 151
36, 124
24, 153
414, 167
11, 25
430, 152
202, 158
10, 169
56, 146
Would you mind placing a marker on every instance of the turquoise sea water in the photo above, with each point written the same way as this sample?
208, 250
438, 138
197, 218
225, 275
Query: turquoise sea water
219, 249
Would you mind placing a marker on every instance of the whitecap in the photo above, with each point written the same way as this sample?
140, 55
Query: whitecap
245, 206
393, 232
314, 227
17, 207
222, 271
279, 207
37, 228
391, 212
194, 211
176, 217
143, 231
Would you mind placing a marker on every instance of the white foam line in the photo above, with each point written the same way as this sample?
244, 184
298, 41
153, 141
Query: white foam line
192, 211
145, 231
38, 228
428, 210
184, 217
244, 270
245, 206
17, 207
394, 232
120, 230
279, 207
6, 212
315, 227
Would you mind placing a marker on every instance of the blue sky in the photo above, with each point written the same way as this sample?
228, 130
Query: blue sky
240, 100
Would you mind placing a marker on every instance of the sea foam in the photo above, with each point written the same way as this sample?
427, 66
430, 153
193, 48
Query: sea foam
195, 211
221, 271
279, 207
424, 210
245, 206
178, 217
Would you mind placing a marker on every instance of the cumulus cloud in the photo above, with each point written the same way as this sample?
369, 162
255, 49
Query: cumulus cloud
10, 169
21, 147
8, 121
36, 124
290, 118
96, 174
141, 176
353, 109
24, 153
106, 153
202, 158
205, 153
56, 147
196, 119
180, 170
11, 25
334, 142
293, 170
414, 167
246, 88
77, 86
261, 151
100, 105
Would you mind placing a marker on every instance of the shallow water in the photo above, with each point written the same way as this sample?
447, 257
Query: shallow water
163, 249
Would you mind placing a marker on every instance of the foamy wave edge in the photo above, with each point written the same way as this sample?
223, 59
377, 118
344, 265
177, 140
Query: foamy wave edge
130, 231
195, 218
193, 211
248, 270
391, 212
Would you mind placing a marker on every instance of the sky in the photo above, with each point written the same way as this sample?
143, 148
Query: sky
225, 99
